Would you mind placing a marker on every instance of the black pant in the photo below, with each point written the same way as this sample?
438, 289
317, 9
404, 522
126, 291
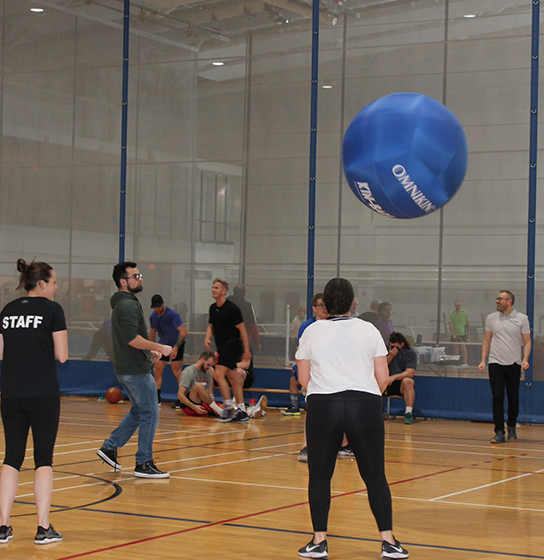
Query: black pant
501, 378
21, 414
359, 416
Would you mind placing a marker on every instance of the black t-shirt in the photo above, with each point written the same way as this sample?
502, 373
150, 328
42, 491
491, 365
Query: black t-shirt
27, 325
405, 359
224, 320
370, 317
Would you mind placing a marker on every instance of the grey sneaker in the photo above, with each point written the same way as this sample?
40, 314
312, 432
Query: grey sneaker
227, 414
303, 455
47, 536
512, 434
6, 534
499, 437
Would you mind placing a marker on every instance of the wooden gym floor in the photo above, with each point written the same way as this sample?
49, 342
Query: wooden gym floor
238, 492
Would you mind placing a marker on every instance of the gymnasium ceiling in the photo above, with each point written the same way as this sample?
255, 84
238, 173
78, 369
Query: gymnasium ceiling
210, 24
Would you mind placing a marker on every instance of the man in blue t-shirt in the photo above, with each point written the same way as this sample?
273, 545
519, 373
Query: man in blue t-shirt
402, 362
172, 332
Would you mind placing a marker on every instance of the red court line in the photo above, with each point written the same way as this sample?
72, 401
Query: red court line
233, 519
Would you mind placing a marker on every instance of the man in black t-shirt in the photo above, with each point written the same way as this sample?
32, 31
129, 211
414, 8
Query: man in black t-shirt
226, 325
372, 315
402, 361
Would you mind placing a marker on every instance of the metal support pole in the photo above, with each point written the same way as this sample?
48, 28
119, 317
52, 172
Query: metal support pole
313, 158
533, 156
124, 124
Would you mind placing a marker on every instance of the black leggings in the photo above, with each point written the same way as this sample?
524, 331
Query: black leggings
358, 415
21, 414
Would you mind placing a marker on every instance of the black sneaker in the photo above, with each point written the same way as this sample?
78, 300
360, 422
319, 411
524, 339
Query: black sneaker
240, 416
176, 405
312, 550
6, 534
110, 457
47, 536
393, 550
149, 470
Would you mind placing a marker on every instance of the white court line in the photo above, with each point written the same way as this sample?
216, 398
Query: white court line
246, 484
62, 489
479, 446
486, 485
447, 502
496, 456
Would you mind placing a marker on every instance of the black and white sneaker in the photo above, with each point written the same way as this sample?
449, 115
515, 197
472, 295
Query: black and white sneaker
149, 470
312, 550
393, 550
240, 416
6, 534
47, 536
110, 457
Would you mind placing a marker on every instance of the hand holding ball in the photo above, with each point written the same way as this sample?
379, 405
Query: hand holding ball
405, 155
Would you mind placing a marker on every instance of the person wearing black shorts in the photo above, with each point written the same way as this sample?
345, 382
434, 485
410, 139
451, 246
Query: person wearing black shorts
169, 325
32, 335
342, 365
226, 326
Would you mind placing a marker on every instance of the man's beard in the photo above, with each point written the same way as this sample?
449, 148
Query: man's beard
135, 290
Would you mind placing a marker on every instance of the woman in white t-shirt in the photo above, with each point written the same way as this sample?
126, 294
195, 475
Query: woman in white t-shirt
342, 365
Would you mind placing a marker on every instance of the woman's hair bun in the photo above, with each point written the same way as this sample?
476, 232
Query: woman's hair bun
21, 265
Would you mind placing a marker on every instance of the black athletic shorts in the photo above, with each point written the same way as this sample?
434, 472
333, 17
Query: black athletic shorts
393, 390
178, 358
230, 355
250, 376
463, 338
185, 406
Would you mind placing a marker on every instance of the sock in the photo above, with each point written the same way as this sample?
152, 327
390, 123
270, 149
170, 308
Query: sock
409, 410
242, 406
216, 408
294, 400
228, 403
159, 395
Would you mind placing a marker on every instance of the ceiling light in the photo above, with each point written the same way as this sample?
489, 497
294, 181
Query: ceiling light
470, 15
286, 21
218, 63
334, 20
327, 87
36, 10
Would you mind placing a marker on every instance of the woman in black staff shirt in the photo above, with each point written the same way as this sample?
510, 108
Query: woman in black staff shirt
32, 335
342, 364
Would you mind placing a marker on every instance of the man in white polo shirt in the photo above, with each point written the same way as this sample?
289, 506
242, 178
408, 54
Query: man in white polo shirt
506, 331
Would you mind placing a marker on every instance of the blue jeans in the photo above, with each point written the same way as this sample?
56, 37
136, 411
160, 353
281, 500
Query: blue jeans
144, 415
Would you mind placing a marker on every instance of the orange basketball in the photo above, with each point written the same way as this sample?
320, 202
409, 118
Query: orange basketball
113, 395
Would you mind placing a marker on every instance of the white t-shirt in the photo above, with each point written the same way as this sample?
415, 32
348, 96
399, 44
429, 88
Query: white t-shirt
506, 341
341, 352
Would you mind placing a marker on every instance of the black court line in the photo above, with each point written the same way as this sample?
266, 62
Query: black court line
117, 492
404, 543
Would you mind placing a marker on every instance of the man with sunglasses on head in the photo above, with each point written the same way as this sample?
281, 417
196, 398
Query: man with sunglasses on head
133, 356
506, 331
